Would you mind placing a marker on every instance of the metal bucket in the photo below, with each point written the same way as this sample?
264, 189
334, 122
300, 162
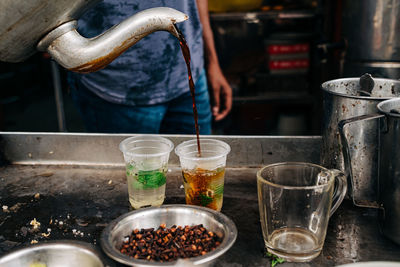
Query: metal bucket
386, 159
342, 100
389, 175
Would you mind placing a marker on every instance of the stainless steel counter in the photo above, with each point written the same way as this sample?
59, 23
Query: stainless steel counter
79, 180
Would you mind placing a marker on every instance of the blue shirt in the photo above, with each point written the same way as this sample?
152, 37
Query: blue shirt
152, 71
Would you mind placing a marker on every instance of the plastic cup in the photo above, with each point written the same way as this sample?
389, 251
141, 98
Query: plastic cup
146, 159
203, 175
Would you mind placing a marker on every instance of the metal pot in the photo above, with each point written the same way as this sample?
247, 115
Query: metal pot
389, 175
385, 133
50, 25
343, 99
374, 26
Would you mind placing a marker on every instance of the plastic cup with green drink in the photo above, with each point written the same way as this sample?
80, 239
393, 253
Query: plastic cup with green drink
146, 159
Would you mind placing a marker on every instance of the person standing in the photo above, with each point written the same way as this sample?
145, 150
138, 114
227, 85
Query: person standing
146, 90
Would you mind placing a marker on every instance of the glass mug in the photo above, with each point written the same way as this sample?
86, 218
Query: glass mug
296, 200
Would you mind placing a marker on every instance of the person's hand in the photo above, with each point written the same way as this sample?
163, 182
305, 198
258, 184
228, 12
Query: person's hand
221, 92
220, 89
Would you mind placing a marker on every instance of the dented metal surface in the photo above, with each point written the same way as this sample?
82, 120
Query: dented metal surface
341, 101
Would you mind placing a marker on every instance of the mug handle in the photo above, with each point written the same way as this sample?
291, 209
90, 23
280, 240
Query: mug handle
340, 190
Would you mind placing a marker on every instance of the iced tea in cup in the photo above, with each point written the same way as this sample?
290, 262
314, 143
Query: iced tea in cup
146, 159
296, 200
203, 175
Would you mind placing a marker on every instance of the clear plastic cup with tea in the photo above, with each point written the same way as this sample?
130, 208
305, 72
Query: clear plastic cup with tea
203, 174
146, 160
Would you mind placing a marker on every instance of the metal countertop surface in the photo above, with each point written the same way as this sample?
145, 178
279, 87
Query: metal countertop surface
79, 180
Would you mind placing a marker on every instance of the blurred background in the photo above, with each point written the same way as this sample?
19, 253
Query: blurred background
275, 54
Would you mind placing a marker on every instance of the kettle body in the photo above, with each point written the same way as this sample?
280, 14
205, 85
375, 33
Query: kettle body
24, 23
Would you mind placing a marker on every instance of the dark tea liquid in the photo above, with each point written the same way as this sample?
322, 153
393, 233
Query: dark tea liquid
204, 187
186, 55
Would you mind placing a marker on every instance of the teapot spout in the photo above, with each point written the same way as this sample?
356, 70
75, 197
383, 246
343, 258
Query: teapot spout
77, 53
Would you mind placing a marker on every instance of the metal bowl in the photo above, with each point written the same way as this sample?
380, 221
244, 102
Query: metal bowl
53, 254
180, 215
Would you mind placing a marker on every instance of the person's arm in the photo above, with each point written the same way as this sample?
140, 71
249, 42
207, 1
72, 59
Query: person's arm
221, 90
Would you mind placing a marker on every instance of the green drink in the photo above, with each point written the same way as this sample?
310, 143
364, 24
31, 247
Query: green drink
146, 161
146, 188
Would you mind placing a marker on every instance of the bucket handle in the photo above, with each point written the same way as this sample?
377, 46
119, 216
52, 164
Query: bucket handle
349, 161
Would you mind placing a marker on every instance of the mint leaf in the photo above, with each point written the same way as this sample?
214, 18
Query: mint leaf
130, 170
151, 179
205, 200
145, 179
274, 259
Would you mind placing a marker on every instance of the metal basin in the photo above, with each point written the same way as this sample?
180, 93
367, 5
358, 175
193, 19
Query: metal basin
180, 215
53, 254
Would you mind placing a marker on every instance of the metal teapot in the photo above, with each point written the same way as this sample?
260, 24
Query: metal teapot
50, 25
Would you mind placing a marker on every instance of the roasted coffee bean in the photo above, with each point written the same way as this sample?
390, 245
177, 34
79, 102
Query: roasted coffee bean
169, 244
